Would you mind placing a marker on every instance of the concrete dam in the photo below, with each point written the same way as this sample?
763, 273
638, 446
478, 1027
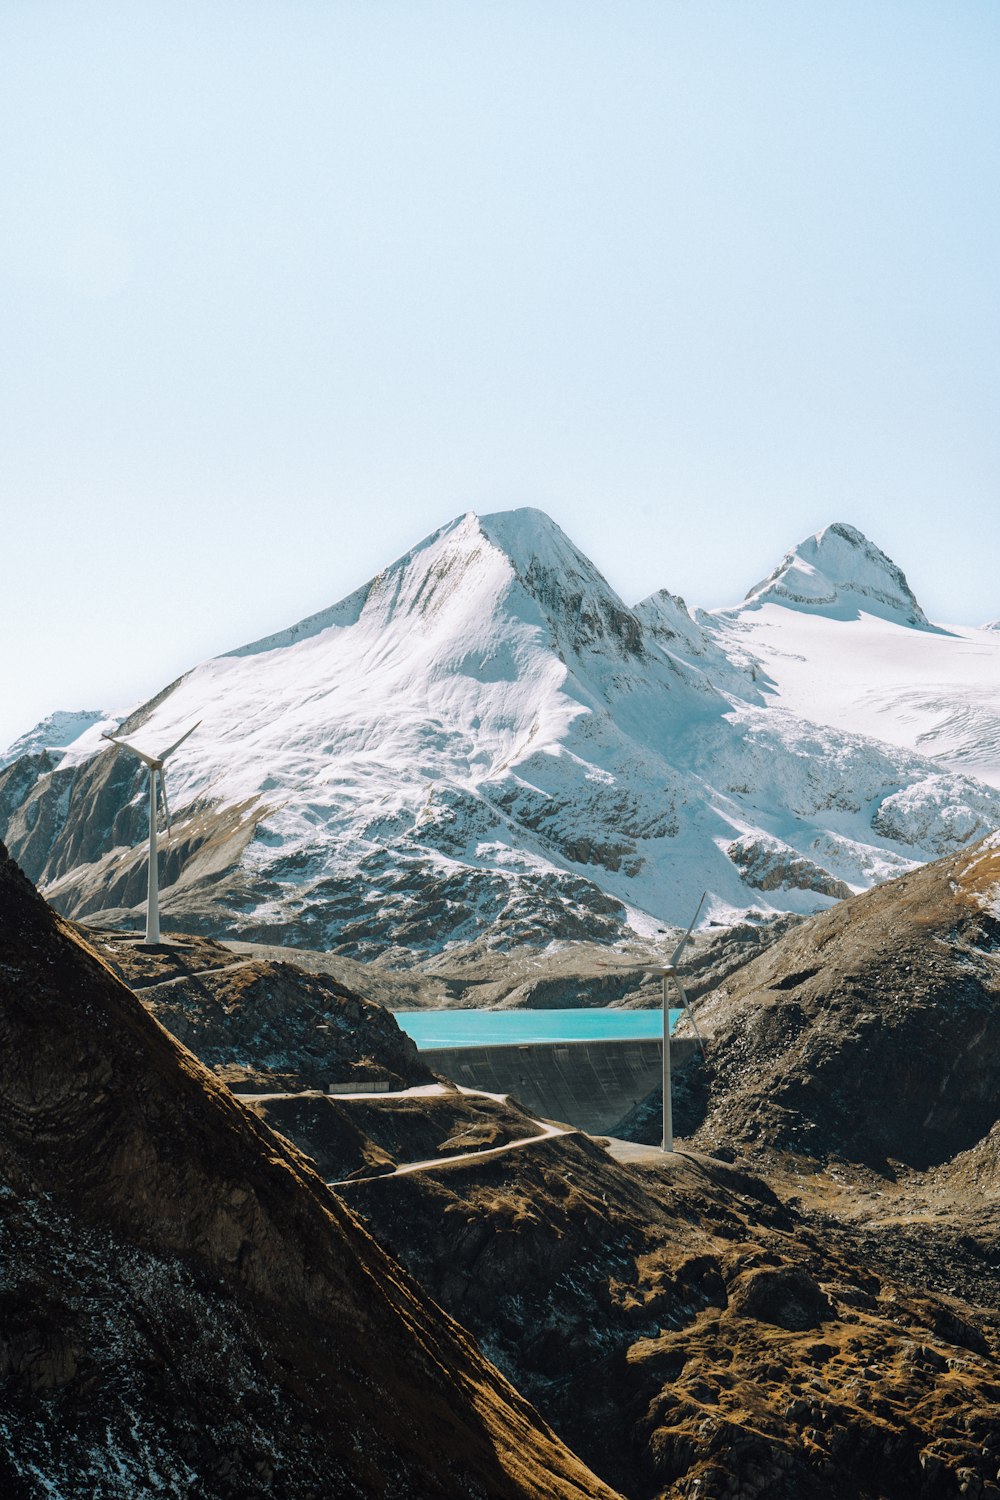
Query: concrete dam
588, 1084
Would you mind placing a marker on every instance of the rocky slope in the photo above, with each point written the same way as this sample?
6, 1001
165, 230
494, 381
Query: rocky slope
693, 1330
803, 1303
485, 744
185, 1308
870, 1032
363, 1137
264, 1023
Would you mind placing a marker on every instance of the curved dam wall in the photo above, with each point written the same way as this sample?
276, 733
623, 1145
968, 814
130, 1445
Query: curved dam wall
587, 1084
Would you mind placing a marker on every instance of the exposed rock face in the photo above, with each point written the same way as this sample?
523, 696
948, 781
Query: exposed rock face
59, 817
768, 865
184, 1308
259, 1023
787, 1297
871, 1031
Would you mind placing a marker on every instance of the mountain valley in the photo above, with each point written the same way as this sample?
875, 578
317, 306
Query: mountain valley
483, 781
803, 1300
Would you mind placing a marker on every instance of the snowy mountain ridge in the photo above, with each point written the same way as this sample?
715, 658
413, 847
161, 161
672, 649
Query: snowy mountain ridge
485, 742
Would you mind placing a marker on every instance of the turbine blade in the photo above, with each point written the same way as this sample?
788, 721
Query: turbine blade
685, 1002
163, 794
127, 745
675, 957
171, 748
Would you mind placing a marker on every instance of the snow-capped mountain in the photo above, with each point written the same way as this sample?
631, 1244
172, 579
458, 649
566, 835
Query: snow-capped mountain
859, 655
55, 732
839, 573
485, 741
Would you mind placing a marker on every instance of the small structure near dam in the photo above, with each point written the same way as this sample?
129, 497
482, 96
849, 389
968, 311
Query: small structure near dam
590, 1084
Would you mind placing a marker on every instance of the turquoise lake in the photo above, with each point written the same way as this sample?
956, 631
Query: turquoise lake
497, 1028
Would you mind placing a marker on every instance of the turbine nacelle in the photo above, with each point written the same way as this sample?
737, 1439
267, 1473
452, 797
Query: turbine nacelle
669, 971
155, 764
157, 782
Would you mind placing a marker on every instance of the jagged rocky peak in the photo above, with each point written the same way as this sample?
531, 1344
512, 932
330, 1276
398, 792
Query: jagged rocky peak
839, 572
563, 582
667, 618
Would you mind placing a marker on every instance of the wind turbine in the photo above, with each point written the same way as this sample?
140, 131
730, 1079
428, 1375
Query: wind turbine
668, 973
156, 777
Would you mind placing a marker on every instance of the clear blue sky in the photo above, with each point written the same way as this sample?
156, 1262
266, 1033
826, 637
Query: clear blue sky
287, 285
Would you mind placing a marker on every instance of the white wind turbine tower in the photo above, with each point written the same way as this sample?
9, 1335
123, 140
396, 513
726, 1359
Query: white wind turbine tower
156, 778
668, 972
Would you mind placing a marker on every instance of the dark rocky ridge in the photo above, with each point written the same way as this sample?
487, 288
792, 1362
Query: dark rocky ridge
870, 1032
261, 1023
185, 1309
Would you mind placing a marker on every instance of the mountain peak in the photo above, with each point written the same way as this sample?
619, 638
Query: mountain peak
838, 572
463, 574
527, 533
56, 731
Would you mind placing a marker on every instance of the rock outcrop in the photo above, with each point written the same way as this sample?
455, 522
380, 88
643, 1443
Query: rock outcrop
767, 864
261, 1023
870, 1032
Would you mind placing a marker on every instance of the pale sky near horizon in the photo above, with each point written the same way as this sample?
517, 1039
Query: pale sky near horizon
286, 286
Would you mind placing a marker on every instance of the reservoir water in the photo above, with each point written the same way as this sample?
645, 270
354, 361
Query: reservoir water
509, 1028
